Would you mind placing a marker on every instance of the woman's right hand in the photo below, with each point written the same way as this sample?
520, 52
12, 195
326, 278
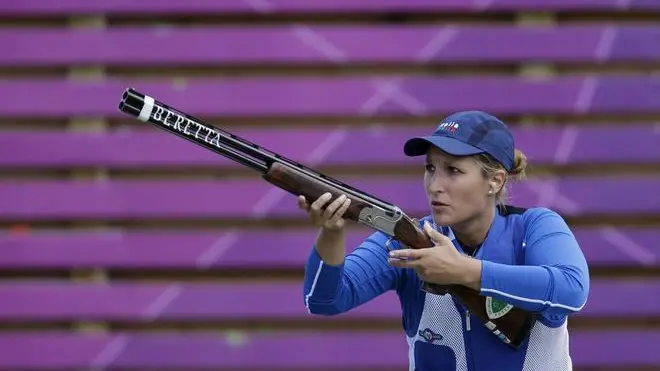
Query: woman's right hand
330, 218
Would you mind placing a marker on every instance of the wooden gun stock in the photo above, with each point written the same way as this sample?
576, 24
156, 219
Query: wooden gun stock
298, 183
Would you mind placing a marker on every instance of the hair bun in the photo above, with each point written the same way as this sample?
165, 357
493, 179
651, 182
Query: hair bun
519, 164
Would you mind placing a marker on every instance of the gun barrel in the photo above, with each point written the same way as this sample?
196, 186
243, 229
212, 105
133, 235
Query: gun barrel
148, 109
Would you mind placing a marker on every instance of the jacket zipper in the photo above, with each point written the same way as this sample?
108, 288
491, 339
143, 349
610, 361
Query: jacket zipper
468, 335
467, 320
468, 343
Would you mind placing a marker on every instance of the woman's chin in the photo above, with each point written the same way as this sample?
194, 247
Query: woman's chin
442, 218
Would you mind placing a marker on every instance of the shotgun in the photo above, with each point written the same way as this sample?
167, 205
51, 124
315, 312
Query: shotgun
298, 179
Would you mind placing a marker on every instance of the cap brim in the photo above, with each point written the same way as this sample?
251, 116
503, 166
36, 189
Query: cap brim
419, 146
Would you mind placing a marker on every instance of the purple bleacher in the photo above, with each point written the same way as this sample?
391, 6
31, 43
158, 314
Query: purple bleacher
38, 301
386, 350
268, 96
370, 146
180, 7
62, 301
256, 248
247, 198
282, 44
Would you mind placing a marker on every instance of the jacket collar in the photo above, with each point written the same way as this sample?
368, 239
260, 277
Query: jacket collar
496, 229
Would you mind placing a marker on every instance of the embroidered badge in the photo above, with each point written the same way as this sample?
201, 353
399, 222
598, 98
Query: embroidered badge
451, 127
429, 335
496, 308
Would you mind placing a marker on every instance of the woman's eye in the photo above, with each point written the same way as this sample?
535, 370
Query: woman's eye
454, 170
430, 168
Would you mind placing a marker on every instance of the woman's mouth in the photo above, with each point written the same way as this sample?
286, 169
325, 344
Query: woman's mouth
437, 205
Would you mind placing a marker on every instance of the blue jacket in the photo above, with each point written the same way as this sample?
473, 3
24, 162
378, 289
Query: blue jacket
530, 259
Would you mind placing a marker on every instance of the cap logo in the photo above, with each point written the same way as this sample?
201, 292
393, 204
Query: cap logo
449, 127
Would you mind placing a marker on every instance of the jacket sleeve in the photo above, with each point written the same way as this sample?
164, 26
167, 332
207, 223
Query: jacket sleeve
364, 274
554, 279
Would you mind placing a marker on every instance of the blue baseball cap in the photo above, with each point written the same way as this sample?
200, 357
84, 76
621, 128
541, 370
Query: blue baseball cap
468, 133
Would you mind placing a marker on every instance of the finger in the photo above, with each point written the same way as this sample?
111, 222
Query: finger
340, 212
435, 235
302, 203
330, 210
316, 206
410, 254
402, 263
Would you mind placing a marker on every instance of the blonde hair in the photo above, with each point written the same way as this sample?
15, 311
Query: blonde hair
490, 166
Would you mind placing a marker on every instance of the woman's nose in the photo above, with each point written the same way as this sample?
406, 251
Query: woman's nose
436, 184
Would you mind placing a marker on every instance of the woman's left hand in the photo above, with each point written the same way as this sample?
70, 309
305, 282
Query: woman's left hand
440, 264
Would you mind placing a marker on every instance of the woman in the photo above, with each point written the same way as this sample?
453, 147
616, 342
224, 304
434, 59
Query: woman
528, 258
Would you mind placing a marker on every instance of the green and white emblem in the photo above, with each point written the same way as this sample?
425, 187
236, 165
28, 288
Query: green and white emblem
496, 308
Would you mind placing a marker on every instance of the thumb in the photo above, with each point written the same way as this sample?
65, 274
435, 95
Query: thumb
435, 235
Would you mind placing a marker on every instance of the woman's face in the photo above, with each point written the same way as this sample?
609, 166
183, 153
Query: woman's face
456, 187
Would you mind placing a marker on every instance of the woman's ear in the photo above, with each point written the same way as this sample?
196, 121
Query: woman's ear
496, 182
